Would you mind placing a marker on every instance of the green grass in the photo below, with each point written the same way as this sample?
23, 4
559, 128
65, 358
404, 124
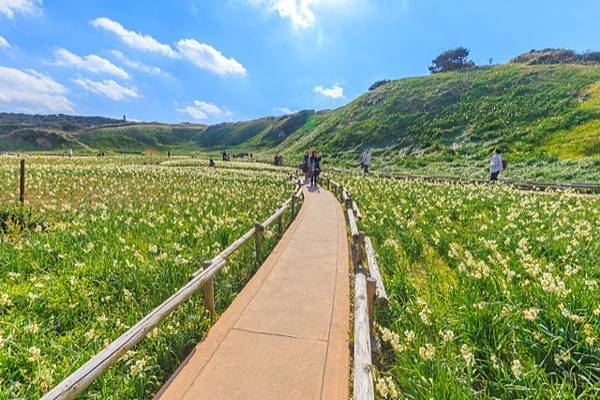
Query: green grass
493, 292
100, 243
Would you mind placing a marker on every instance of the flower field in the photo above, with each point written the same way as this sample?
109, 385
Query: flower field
493, 292
99, 244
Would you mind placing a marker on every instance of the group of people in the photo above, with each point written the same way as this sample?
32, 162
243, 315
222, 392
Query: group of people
311, 166
279, 160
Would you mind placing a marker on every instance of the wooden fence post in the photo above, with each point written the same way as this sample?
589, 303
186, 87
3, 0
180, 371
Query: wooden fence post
349, 202
209, 293
371, 288
359, 242
293, 207
362, 370
258, 235
280, 225
22, 183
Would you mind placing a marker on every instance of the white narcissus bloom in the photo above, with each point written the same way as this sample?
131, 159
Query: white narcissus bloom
516, 368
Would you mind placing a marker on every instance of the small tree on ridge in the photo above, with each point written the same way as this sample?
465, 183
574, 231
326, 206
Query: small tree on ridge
452, 60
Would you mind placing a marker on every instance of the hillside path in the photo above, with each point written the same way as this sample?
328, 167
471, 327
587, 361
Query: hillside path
286, 335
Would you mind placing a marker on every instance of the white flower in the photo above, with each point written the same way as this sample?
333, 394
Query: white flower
530, 314
516, 368
427, 352
34, 354
447, 335
467, 355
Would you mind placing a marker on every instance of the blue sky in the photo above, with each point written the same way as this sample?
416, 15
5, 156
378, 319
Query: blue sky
209, 61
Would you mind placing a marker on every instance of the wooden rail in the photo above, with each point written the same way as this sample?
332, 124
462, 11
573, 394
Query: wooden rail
79, 380
369, 291
362, 371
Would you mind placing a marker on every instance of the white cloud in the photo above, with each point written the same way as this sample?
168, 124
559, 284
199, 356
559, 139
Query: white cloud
286, 110
11, 7
109, 88
200, 54
207, 57
201, 110
335, 92
4, 43
134, 39
300, 13
150, 69
91, 63
31, 91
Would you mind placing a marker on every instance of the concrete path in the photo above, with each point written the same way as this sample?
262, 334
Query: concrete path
286, 335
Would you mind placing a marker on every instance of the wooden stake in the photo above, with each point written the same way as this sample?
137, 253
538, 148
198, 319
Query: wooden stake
258, 235
22, 183
280, 225
209, 293
371, 288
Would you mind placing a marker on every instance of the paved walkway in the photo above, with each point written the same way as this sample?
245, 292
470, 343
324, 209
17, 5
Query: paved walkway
286, 335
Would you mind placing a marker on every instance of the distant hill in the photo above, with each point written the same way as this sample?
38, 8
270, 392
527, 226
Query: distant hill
544, 111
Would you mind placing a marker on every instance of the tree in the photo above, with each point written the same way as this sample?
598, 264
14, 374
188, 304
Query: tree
452, 60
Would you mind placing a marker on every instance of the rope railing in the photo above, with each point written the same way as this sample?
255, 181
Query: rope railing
79, 380
369, 292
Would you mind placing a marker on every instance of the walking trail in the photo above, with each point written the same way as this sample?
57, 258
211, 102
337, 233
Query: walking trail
286, 335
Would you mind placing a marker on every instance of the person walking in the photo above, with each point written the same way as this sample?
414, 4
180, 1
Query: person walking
315, 168
305, 166
496, 165
366, 161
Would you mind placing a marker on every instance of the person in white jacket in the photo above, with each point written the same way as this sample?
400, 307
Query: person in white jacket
366, 161
496, 165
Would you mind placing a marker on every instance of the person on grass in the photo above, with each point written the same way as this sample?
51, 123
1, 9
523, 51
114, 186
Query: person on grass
315, 168
366, 161
496, 165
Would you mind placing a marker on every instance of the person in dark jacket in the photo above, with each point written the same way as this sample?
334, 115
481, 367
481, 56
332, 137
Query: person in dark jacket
315, 168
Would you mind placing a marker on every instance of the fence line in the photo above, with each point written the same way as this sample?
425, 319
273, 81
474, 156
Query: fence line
516, 183
369, 292
79, 380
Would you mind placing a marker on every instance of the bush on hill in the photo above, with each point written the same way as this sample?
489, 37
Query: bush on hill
556, 56
378, 83
452, 60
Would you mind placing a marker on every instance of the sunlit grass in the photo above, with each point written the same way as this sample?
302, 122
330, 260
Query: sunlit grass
117, 237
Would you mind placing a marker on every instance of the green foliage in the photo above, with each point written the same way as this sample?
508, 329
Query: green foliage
493, 291
99, 244
451, 60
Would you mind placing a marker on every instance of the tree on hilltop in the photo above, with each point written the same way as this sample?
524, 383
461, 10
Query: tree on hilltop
452, 60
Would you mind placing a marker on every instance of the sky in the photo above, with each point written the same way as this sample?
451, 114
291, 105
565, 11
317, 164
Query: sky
211, 61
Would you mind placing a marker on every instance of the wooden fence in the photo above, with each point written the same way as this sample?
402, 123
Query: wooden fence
79, 380
369, 292
516, 183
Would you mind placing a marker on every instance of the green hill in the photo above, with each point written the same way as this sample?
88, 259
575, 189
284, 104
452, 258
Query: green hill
530, 111
541, 112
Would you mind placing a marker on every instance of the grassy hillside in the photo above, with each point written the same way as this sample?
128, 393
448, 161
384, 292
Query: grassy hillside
527, 110
542, 113
142, 137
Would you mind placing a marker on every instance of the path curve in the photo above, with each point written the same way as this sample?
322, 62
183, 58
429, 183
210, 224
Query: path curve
286, 335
